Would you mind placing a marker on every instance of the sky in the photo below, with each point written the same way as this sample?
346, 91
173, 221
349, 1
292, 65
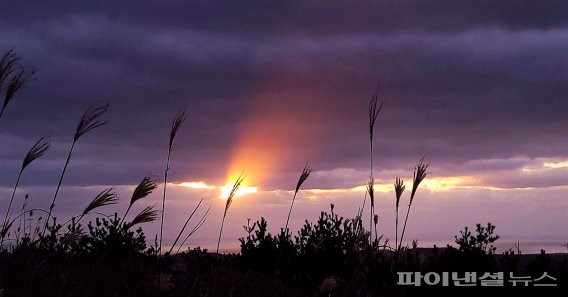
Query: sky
477, 88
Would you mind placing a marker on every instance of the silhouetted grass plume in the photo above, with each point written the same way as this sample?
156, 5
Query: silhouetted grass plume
373, 112
371, 194
106, 197
176, 126
144, 188
234, 190
420, 174
303, 177
147, 215
8, 63
398, 190
17, 76
36, 151
91, 119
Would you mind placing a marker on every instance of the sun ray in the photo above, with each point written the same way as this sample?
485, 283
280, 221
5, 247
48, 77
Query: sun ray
243, 190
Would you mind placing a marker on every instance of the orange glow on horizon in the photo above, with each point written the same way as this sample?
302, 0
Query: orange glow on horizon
272, 131
241, 191
440, 184
196, 185
224, 191
258, 151
555, 165
431, 184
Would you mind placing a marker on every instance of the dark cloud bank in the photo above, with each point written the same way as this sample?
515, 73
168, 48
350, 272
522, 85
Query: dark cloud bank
461, 80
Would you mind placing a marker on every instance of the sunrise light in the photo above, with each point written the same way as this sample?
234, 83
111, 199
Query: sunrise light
224, 191
243, 190
555, 165
196, 185
440, 184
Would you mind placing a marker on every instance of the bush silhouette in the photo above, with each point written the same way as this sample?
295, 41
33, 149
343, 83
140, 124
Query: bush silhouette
110, 239
482, 243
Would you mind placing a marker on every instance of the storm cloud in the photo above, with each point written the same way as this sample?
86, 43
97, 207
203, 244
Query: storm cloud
477, 87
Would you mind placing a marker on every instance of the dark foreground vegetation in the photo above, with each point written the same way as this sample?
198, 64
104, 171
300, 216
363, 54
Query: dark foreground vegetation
332, 256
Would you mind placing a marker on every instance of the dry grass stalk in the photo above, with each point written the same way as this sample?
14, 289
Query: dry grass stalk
376, 221
8, 62
236, 186
362, 208
303, 177
147, 215
23, 210
374, 110
176, 126
16, 83
17, 76
90, 120
106, 197
144, 188
195, 228
4, 230
371, 194
73, 236
185, 225
37, 150
420, 173
398, 189
6, 226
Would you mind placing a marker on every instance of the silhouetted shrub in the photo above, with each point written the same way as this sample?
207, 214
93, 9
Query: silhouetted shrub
109, 238
331, 247
259, 249
482, 243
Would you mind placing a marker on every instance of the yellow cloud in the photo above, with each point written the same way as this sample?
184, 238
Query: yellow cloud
196, 185
554, 165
